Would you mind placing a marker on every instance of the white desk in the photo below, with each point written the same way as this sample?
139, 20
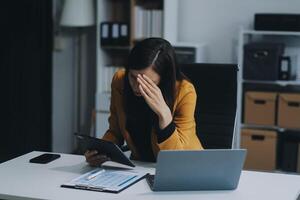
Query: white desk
20, 179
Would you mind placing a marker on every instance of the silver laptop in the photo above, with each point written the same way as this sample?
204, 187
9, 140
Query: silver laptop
217, 169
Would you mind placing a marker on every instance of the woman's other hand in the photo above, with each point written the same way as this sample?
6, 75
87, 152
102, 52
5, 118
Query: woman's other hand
94, 159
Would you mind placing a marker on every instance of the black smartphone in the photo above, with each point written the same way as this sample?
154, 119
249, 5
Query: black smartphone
44, 158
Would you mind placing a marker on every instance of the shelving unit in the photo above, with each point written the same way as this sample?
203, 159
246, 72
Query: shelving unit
112, 57
292, 41
292, 47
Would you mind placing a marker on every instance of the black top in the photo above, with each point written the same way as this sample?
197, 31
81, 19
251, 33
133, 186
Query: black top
140, 119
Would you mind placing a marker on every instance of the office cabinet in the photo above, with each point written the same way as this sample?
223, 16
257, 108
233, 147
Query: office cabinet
284, 115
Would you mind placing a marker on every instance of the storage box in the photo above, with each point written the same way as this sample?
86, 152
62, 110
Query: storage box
262, 60
289, 111
289, 151
261, 148
260, 108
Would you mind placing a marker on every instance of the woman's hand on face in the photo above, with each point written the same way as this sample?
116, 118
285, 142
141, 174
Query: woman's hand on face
95, 159
154, 98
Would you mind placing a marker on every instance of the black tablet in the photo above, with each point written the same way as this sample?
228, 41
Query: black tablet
86, 142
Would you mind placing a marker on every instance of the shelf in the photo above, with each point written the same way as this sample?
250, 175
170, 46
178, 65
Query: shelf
116, 47
277, 82
278, 171
136, 40
275, 33
150, 4
276, 128
269, 127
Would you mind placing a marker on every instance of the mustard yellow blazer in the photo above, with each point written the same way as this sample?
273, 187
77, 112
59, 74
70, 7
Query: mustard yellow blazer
183, 138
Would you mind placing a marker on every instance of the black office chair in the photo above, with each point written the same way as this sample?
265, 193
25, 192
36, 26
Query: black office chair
216, 87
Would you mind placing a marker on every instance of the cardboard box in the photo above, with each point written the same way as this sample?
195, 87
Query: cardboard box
261, 148
289, 111
260, 108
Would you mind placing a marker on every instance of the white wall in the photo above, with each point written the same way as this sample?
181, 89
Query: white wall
217, 22
62, 97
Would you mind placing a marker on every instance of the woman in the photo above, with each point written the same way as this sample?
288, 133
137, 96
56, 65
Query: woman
152, 105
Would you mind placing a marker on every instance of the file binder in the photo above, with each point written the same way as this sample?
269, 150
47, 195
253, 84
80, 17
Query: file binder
105, 180
124, 34
284, 68
105, 33
115, 33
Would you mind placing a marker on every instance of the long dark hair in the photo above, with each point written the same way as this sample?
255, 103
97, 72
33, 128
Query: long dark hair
160, 54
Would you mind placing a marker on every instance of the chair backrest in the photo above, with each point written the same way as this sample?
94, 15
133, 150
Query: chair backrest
216, 87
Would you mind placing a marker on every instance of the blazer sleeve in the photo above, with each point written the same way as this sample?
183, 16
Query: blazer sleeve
113, 133
184, 135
